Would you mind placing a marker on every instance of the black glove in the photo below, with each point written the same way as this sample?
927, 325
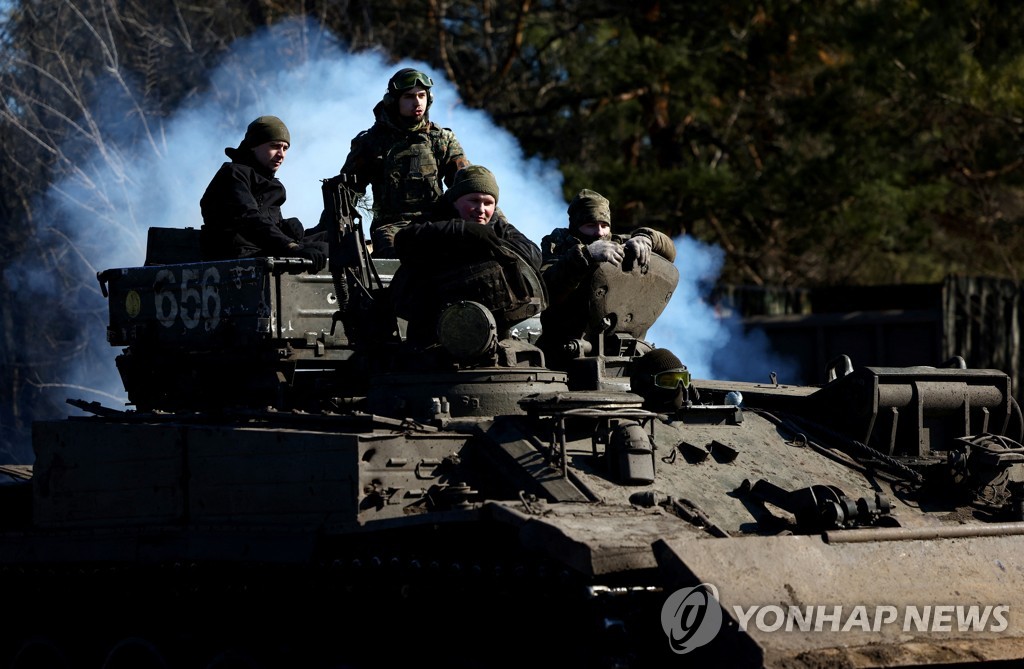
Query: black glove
314, 252
293, 228
481, 237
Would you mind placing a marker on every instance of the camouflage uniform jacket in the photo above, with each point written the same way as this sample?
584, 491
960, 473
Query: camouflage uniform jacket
404, 167
242, 211
565, 267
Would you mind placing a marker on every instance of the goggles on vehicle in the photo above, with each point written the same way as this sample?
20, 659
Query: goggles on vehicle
409, 80
670, 379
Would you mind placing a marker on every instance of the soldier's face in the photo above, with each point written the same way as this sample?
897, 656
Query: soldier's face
596, 230
271, 154
413, 102
476, 207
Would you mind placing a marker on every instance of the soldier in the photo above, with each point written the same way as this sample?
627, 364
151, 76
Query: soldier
404, 157
472, 255
242, 205
570, 255
661, 379
473, 197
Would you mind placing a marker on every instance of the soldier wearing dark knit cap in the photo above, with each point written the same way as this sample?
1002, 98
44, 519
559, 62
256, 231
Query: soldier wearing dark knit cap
570, 256
465, 232
404, 157
473, 179
265, 129
242, 205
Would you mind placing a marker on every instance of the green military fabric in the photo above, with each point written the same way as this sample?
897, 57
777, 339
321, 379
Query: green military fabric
448, 261
566, 262
265, 129
407, 78
473, 179
406, 165
566, 267
589, 206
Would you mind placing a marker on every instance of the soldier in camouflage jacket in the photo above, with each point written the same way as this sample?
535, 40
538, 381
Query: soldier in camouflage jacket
404, 157
569, 257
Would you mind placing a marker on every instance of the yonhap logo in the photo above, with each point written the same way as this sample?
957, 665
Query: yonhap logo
691, 617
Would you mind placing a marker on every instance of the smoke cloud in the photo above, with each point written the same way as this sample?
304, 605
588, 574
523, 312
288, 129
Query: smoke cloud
137, 176
710, 342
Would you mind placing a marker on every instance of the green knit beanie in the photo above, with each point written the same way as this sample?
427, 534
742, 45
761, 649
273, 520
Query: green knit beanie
588, 206
266, 129
473, 179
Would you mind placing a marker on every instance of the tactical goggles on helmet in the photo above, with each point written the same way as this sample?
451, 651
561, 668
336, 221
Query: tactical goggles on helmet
410, 79
670, 379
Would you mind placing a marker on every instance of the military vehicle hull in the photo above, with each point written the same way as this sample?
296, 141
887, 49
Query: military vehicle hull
283, 493
300, 538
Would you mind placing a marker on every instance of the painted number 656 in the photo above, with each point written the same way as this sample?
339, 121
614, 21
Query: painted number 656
197, 300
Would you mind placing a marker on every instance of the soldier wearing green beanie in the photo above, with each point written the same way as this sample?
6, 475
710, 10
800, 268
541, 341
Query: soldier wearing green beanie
589, 206
473, 179
570, 256
468, 243
242, 205
265, 129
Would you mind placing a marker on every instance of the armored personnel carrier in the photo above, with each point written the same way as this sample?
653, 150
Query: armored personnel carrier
295, 484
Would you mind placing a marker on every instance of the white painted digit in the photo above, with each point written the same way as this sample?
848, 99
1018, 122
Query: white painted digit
211, 298
206, 298
188, 294
166, 305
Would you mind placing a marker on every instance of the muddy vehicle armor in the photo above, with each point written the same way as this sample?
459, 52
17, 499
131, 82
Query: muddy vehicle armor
292, 485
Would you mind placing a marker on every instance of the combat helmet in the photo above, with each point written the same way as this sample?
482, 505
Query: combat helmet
661, 379
405, 79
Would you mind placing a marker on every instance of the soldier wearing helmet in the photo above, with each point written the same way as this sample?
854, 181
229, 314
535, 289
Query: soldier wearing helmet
404, 157
662, 380
570, 256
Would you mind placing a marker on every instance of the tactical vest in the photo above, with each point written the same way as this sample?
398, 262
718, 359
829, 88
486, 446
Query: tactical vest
411, 180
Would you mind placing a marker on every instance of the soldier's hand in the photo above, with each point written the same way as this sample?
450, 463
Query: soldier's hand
315, 253
480, 236
605, 250
640, 246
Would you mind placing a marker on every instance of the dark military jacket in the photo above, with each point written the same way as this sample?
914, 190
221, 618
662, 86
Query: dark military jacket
450, 260
566, 267
242, 211
444, 211
406, 167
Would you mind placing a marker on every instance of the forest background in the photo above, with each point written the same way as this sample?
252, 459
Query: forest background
814, 143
